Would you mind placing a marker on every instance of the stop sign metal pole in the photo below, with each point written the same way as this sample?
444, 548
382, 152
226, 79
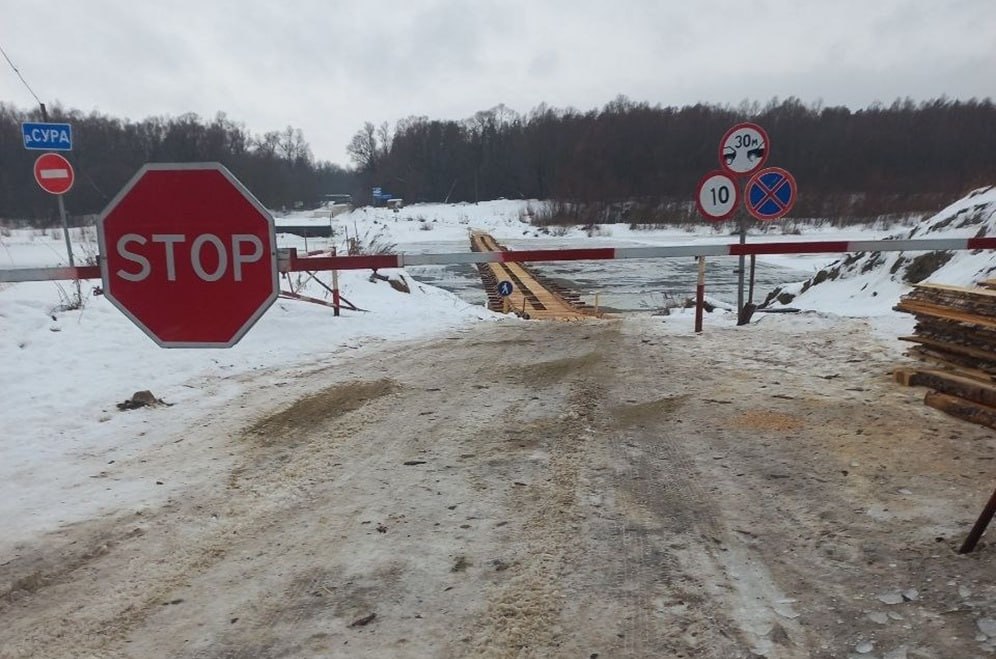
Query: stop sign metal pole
65, 221
65, 230
65, 225
54, 174
69, 249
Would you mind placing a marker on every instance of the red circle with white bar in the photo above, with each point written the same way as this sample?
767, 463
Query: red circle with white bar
54, 173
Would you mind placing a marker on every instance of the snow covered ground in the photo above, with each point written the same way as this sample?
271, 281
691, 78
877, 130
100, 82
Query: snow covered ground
63, 371
868, 284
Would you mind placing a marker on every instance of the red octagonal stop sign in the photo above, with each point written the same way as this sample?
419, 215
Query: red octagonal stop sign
189, 255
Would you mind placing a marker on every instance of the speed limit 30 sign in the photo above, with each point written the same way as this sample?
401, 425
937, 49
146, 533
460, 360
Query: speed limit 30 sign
717, 196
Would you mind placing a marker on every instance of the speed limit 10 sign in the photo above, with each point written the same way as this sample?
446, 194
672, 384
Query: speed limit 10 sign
717, 196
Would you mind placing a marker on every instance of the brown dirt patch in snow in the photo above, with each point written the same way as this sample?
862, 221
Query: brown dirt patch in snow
766, 420
319, 408
655, 410
550, 372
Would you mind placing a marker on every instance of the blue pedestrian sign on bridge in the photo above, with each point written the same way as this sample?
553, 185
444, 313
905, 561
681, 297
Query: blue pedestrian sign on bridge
504, 288
47, 136
770, 193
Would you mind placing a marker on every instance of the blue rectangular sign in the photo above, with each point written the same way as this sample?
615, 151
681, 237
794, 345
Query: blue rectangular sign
47, 137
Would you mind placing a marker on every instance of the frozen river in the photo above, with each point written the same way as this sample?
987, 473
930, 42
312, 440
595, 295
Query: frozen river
622, 285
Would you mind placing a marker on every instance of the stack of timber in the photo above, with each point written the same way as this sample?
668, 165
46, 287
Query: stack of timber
955, 335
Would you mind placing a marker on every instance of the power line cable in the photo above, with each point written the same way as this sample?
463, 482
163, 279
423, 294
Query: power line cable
15, 69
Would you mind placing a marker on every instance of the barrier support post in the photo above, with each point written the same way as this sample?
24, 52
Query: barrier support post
336, 302
700, 295
335, 293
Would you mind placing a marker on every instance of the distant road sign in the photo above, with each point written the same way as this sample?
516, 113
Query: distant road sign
54, 173
47, 137
717, 196
504, 288
770, 193
744, 149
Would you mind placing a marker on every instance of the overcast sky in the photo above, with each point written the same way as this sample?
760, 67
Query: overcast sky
327, 67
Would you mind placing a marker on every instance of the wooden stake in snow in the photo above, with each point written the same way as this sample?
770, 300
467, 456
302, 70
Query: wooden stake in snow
335, 289
980, 526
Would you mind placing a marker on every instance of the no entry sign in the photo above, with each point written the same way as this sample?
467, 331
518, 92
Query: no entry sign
54, 173
189, 255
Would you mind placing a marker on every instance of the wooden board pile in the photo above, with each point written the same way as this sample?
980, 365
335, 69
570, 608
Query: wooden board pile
956, 332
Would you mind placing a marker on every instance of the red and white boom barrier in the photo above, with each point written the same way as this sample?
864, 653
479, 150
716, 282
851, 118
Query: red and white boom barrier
289, 261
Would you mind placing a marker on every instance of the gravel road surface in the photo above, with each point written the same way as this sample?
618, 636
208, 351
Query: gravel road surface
598, 489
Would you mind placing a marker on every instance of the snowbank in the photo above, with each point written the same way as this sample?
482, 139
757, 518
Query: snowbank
870, 283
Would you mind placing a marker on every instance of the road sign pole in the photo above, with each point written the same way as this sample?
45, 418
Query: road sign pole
743, 150
750, 287
69, 247
65, 229
740, 268
54, 174
65, 223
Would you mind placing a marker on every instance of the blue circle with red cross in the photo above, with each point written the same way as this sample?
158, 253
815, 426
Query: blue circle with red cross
771, 193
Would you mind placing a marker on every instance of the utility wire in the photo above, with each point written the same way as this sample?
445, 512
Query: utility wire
20, 76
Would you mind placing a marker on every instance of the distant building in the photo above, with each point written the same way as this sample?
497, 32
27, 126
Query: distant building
334, 204
336, 199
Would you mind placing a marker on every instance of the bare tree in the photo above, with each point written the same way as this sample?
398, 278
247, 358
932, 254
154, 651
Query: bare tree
363, 147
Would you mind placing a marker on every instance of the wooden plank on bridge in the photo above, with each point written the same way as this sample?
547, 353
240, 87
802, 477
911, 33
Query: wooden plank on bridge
529, 297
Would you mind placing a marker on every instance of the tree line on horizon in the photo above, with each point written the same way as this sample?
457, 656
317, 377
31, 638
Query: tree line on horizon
628, 161
905, 157
277, 166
